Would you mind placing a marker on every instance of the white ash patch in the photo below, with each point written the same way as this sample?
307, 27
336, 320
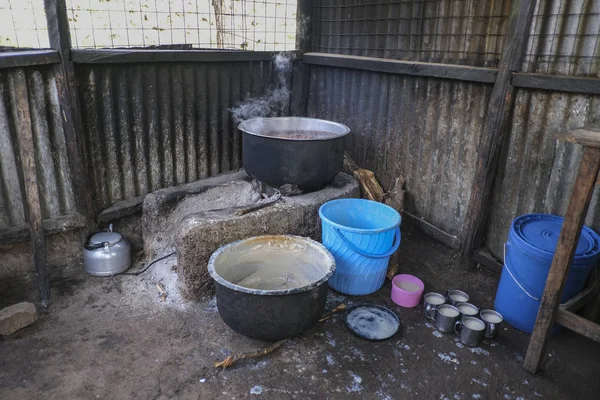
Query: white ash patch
477, 381
356, 385
479, 350
330, 359
256, 390
437, 333
446, 358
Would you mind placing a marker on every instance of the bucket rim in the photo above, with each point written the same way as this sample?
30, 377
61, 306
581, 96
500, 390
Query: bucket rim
397, 221
328, 260
584, 258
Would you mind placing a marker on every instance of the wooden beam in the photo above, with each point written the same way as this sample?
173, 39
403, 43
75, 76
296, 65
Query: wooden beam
557, 83
121, 209
52, 226
584, 296
32, 195
117, 56
60, 40
587, 136
494, 134
433, 231
27, 58
563, 256
301, 72
485, 258
579, 324
445, 71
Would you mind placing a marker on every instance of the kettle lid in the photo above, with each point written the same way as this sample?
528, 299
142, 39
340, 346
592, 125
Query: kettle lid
111, 237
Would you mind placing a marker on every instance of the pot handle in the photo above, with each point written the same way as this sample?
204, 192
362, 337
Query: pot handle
367, 254
428, 308
458, 327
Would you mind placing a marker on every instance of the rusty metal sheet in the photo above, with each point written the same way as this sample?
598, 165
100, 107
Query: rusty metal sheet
424, 129
51, 157
537, 172
150, 126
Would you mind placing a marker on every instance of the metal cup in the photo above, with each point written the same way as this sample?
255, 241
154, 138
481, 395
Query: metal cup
454, 297
431, 301
446, 317
470, 331
467, 310
492, 320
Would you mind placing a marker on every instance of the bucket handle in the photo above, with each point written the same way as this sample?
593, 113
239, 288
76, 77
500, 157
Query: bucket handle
367, 254
515, 279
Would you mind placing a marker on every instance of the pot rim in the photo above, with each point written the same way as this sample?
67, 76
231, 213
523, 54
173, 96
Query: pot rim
224, 282
243, 126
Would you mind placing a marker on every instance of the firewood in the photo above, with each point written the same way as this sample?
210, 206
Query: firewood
349, 164
370, 188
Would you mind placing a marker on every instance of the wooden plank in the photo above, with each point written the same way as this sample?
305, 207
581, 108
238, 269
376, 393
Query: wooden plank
64, 223
579, 324
303, 25
60, 40
445, 71
485, 258
565, 250
32, 195
116, 56
27, 58
121, 209
557, 83
586, 136
433, 231
494, 134
584, 296
301, 72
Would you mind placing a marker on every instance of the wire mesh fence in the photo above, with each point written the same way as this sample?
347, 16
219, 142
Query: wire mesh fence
23, 24
450, 31
213, 24
565, 38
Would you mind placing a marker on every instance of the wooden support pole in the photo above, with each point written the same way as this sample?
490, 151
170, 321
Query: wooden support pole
60, 40
34, 209
563, 257
301, 72
494, 132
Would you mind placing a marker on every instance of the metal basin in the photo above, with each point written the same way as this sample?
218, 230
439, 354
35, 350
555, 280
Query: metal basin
306, 152
271, 287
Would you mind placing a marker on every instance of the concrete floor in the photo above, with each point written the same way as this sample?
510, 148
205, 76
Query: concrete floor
112, 338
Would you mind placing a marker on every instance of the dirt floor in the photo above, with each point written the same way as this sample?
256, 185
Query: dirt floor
112, 338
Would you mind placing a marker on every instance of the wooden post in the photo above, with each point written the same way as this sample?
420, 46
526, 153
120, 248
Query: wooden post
563, 257
60, 40
494, 132
34, 209
301, 73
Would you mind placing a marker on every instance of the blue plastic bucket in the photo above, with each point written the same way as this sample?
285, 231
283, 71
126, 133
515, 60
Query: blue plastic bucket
361, 235
528, 255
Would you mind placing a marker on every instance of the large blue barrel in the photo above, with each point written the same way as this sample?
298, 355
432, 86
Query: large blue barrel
361, 235
527, 258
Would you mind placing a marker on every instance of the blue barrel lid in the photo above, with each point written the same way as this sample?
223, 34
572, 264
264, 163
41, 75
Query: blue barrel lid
537, 235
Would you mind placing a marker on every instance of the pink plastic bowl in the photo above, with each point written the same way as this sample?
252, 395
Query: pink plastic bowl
407, 290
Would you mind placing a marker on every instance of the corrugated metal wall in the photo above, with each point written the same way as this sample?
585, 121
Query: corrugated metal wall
149, 126
425, 129
53, 171
444, 31
564, 38
539, 172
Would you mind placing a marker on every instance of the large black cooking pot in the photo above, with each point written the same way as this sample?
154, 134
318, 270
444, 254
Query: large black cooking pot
307, 152
271, 287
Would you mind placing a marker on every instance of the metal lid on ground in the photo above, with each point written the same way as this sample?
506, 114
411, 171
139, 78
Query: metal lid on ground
372, 322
